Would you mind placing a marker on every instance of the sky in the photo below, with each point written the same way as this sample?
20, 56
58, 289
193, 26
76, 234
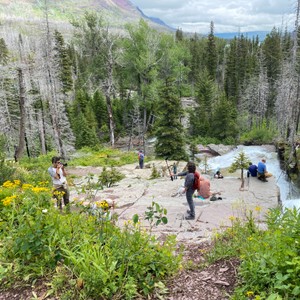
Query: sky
227, 15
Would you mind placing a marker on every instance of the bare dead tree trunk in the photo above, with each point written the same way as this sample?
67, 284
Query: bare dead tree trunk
111, 120
295, 40
20, 147
52, 103
108, 85
41, 133
242, 178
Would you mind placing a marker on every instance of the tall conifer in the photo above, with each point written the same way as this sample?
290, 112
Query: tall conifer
169, 131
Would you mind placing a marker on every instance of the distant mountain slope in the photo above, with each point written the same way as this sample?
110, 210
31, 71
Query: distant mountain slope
155, 20
251, 34
116, 12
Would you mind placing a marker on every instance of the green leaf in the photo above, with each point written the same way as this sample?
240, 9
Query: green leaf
164, 220
135, 219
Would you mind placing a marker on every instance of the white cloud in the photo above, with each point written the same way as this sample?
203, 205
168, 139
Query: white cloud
227, 15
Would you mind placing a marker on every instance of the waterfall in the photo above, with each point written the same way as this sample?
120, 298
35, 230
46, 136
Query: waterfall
289, 193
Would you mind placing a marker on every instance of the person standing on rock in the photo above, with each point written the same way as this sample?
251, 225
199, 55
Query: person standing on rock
175, 171
141, 157
189, 188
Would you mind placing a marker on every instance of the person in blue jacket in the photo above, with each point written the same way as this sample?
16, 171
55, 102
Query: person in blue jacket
262, 173
141, 157
252, 170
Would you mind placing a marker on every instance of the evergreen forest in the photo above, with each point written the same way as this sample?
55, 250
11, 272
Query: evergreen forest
92, 87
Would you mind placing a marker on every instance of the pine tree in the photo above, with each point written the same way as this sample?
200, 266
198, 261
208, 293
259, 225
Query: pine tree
224, 120
100, 110
64, 63
169, 131
241, 161
211, 53
205, 98
272, 61
84, 133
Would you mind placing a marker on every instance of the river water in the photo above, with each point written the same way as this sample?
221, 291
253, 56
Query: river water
289, 193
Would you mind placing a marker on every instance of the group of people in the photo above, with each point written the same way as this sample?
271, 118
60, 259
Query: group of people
60, 187
189, 188
259, 170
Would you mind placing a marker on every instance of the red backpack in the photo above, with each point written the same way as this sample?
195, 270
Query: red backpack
196, 185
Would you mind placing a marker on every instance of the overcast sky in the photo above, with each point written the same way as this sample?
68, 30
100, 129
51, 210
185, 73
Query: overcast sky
227, 15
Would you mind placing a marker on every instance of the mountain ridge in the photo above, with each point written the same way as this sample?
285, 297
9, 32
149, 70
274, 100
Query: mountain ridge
115, 12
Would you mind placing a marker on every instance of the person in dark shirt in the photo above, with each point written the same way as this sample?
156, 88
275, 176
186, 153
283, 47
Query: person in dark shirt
175, 171
141, 157
252, 170
189, 188
218, 175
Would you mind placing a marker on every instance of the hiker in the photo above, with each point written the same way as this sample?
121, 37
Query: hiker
141, 157
189, 188
204, 189
262, 173
252, 170
174, 171
60, 187
218, 175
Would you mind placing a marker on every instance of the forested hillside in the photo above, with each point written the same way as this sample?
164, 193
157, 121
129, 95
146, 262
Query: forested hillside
96, 86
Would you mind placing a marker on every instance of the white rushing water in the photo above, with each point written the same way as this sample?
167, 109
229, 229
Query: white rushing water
289, 193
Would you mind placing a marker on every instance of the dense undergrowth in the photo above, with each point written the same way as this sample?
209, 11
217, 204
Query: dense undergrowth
83, 255
270, 261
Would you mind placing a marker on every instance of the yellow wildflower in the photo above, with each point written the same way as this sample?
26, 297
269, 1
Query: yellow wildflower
43, 183
8, 184
17, 182
27, 186
58, 193
257, 208
6, 201
39, 189
103, 204
250, 294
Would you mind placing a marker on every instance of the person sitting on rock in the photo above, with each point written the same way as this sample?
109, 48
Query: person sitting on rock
262, 173
218, 175
252, 170
204, 190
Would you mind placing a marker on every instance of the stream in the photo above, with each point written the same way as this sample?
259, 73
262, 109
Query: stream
289, 193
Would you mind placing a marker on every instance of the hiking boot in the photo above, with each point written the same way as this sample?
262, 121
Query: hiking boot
264, 180
190, 217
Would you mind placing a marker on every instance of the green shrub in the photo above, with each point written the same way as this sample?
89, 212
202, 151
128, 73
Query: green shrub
259, 135
270, 263
108, 178
102, 157
154, 173
85, 254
